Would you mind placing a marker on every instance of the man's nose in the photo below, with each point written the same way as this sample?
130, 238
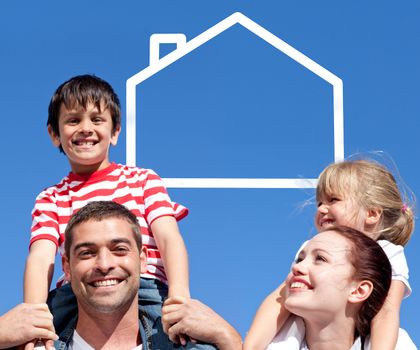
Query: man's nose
105, 261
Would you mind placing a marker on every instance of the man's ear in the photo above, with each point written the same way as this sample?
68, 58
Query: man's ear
360, 292
54, 137
66, 266
143, 259
373, 216
114, 136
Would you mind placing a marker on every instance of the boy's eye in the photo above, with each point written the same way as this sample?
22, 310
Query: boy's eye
97, 120
72, 121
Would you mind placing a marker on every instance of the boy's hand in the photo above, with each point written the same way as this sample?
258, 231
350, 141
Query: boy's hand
26, 322
178, 338
198, 321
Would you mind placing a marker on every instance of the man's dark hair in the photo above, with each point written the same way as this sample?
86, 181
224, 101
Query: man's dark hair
80, 91
98, 211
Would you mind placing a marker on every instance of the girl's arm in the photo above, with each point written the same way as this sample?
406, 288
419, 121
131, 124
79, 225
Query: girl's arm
385, 325
174, 255
268, 320
39, 271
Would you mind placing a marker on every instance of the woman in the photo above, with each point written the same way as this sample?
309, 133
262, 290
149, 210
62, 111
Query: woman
338, 283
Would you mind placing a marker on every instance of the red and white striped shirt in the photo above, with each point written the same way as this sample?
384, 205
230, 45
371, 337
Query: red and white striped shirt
141, 190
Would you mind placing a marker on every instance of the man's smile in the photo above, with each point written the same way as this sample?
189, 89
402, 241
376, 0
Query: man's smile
105, 283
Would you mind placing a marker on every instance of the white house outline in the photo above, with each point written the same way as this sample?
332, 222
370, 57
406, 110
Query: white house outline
183, 48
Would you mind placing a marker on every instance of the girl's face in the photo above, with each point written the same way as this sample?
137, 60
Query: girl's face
320, 281
338, 210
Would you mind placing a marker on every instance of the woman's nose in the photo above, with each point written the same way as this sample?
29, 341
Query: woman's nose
299, 268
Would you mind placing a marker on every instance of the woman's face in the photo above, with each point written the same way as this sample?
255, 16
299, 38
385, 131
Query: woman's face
321, 279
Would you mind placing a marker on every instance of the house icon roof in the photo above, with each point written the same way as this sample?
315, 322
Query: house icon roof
184, 47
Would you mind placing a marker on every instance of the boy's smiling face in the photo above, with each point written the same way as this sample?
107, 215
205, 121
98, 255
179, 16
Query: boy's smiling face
85, 135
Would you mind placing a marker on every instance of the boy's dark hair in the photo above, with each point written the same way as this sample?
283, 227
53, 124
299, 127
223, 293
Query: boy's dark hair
79, 91
98, 211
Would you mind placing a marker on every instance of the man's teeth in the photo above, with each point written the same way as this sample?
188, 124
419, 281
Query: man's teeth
299, 285
105, 283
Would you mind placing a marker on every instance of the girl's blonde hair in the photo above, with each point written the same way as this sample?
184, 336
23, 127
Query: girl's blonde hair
372, 186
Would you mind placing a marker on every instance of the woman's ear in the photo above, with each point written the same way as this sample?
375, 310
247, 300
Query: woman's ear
360, 292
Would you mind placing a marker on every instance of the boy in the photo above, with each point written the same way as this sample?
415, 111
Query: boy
84, 119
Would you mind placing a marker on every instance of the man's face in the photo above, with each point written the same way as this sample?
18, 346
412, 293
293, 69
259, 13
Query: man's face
104, 265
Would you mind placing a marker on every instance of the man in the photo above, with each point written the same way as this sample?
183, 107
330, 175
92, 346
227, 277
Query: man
103, 261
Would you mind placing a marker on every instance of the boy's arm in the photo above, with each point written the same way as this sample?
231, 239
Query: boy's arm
385, 325
174, 255
268, 320
39, 270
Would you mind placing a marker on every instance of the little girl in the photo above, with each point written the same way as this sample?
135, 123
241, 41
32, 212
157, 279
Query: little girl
363, 195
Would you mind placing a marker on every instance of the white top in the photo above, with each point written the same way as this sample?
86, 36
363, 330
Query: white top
78, 343
292, 337
396, 256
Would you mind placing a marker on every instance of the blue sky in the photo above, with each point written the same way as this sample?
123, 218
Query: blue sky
236, 107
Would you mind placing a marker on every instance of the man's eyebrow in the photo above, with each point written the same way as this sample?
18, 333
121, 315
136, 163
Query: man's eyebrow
83, 245
121, 240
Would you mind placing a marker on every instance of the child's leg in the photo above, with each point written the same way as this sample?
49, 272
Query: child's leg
152, 294
63, 306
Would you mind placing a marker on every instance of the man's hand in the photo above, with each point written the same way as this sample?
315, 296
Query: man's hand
198, 321
24, 323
